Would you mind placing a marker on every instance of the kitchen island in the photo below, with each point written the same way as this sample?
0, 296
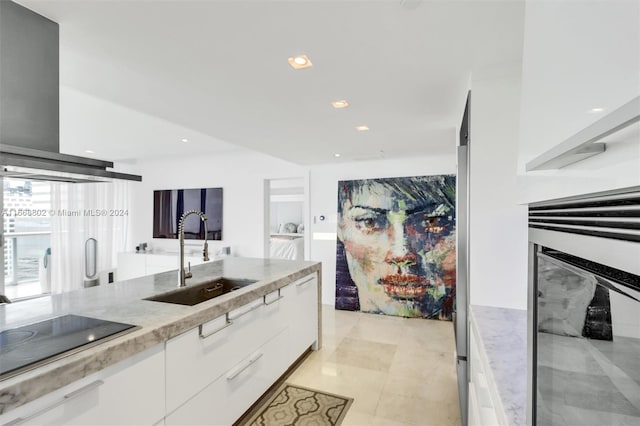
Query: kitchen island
178, 348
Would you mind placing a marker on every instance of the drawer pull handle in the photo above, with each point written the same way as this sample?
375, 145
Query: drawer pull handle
64, 399
253, 308
308, 280
227, 323
252, 361
274, 300
84, 389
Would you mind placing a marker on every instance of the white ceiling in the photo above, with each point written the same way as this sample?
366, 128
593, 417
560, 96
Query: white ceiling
218, 71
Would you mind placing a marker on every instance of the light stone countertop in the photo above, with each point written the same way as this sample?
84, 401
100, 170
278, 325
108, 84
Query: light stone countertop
503, 333
122, 302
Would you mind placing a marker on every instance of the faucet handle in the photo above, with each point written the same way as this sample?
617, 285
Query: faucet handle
188, 274
205, 252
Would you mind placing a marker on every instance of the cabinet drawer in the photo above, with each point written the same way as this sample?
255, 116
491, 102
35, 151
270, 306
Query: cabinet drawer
131, 266
198, 357
159, 269
194, 260
226, 399
109, 397
275, 312
162, 260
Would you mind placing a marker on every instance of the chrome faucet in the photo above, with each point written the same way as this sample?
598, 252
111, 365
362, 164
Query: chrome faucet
205, 250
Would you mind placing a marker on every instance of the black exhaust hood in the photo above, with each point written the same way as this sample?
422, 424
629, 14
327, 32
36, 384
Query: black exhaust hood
34, 164
29, 104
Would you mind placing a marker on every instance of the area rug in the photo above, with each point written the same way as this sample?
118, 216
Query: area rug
298, 406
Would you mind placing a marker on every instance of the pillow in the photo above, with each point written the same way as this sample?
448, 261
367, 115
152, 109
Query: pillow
563, 297
289, 228
300, 229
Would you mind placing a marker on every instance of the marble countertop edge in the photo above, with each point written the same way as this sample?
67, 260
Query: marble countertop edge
32, 384
503, 340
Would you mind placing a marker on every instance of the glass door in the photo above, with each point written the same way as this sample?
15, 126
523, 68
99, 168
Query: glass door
26, 238
587, 368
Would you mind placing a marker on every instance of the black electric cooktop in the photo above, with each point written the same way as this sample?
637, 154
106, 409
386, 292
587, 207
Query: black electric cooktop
31, 345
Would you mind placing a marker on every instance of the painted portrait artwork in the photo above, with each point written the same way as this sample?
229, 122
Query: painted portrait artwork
396, 251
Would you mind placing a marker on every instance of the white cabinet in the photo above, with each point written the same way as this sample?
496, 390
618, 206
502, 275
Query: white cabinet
134, 265
129, 392
228, 397
131, 265
198, 357
218, 370
157, 263
485, 407
301, 304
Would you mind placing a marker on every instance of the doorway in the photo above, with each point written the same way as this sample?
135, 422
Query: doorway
286, 218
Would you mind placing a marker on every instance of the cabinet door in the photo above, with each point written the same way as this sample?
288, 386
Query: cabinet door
474, 410
131, 265
301, 299
482, 407
130, 392
194, 259
275, 312
157, 263
225, 400
198, 357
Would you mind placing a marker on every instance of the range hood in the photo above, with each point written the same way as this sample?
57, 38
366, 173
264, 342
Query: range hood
29, 104
35, 164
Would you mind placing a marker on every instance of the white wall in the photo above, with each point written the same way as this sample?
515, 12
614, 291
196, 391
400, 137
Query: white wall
323, 184
498, 225
240, 174
577, 55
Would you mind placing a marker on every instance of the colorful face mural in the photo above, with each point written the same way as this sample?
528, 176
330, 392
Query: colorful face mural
396, 246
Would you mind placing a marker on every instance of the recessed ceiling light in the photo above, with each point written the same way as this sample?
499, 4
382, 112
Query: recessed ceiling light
340, 104
595, 110
184, 140
300, 62
336, 155
88, 151
362, 128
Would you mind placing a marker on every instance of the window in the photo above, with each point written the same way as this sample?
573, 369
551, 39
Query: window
27, 237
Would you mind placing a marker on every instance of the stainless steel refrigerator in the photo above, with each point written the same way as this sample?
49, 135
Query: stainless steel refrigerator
460, 318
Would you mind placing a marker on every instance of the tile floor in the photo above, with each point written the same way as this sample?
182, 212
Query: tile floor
400, 372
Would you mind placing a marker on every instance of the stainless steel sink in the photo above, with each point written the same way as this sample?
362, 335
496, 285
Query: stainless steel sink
194, 294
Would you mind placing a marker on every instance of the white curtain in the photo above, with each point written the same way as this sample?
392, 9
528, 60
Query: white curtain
83, 211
